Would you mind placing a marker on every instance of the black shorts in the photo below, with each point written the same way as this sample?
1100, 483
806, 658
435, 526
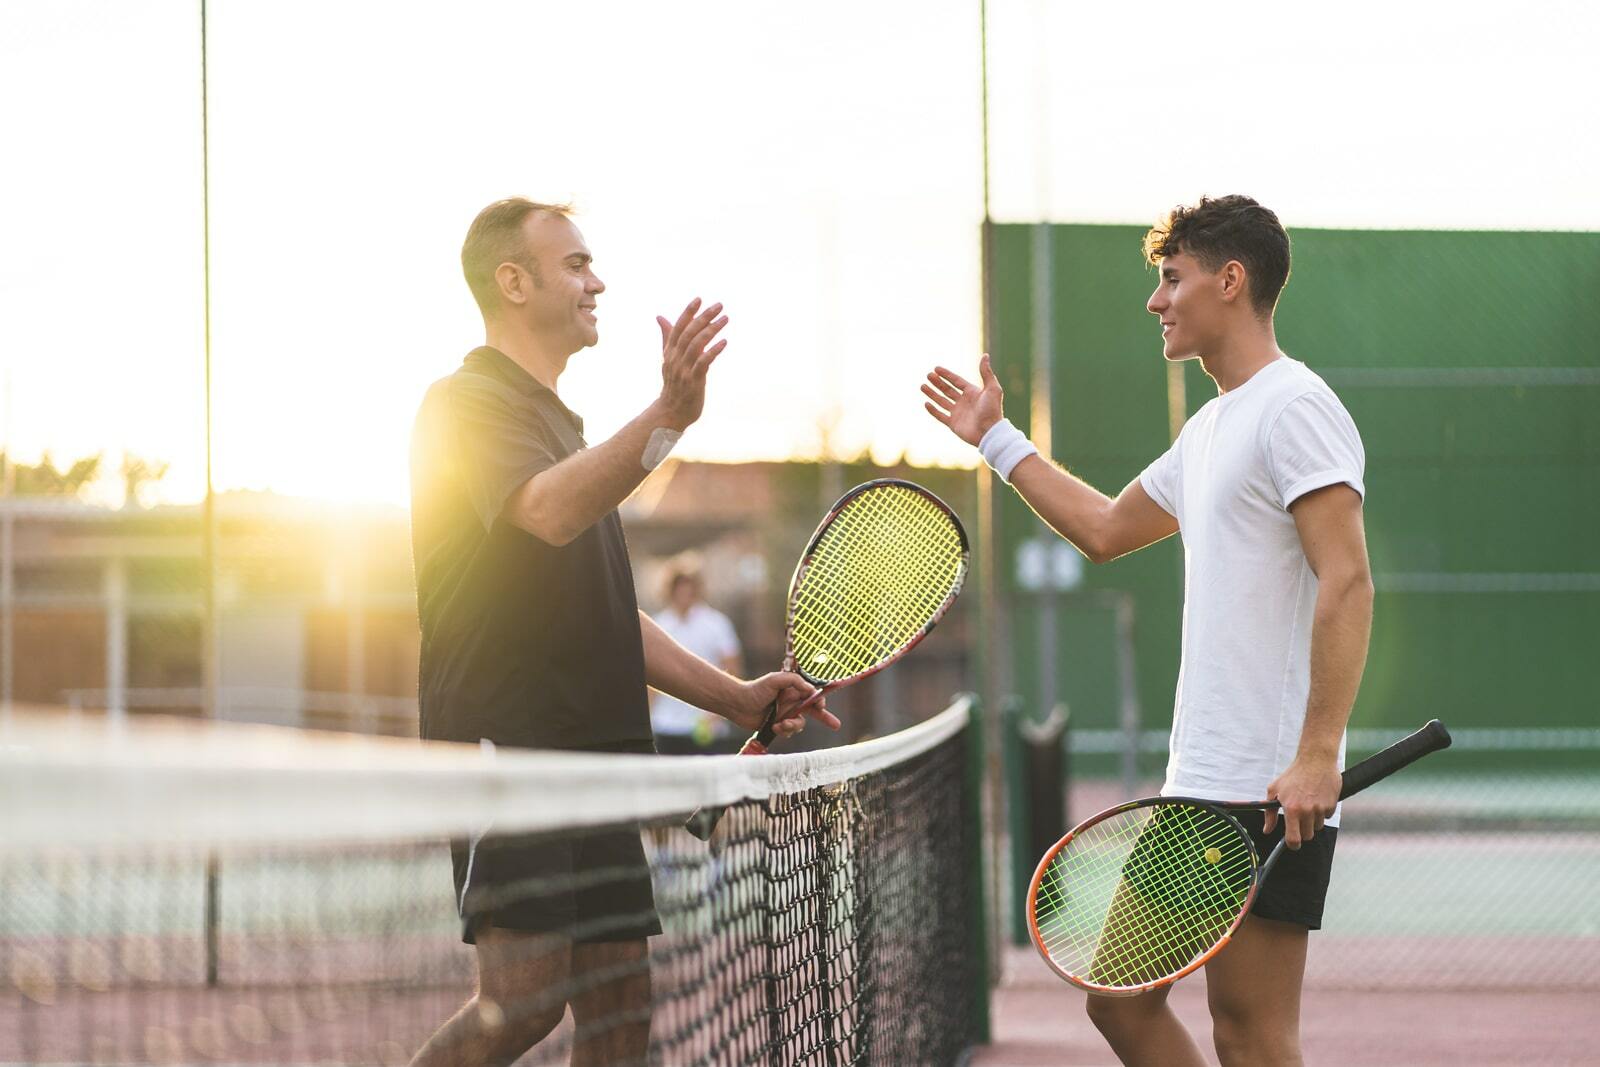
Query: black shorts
1294, 891
585, 885
1297, 886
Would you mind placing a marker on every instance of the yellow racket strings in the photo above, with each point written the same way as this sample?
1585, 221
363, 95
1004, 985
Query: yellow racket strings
880, 573
1141, 895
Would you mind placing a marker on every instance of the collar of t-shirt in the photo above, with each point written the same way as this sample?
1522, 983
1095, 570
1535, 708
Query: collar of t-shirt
501, 367
1265, 370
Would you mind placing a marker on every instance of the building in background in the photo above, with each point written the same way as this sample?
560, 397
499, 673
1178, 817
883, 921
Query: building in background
316, 608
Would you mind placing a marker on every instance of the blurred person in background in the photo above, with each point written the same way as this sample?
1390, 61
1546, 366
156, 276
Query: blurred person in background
682, 729
1265, 486
532, 637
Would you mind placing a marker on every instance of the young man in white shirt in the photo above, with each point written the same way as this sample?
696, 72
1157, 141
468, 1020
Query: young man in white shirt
1264, 484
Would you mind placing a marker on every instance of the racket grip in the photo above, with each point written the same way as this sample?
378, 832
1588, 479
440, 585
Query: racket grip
704, 820
1375, 768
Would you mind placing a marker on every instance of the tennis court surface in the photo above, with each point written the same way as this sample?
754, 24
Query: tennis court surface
253, 895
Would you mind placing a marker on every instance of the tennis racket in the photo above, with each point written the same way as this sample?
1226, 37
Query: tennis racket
1142, 894
882, 568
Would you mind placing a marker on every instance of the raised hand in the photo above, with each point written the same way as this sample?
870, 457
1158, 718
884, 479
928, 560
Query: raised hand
969, 410
685, 360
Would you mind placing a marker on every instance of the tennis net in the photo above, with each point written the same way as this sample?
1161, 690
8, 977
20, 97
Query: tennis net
254, 895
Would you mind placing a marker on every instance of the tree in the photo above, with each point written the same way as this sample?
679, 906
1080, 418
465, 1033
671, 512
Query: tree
45, 479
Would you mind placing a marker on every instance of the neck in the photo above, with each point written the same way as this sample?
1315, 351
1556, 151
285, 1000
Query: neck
1241, 355
543, 360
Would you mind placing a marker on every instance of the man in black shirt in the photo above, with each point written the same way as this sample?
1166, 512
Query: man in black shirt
531, 635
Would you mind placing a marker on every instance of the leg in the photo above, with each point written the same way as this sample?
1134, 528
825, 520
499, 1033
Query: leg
611, 1003
1253, 987
1143, 1031
516, 1005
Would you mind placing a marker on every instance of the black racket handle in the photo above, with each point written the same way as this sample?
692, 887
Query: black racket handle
1378, 766
704, 820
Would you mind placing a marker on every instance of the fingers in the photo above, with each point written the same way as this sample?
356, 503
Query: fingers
691, 322
950, 381
824, 716
688, 314
706, 333
1270, 822
938, 414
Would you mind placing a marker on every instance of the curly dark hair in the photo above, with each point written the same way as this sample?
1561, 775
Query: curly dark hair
1223, 228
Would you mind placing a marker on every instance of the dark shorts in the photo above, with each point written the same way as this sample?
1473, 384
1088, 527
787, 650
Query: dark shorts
588, 886
1297, 886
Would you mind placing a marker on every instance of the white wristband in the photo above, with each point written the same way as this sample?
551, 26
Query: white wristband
658, 447
1003, 447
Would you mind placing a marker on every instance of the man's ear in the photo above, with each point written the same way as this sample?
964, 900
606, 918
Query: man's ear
512, 281
1234, 280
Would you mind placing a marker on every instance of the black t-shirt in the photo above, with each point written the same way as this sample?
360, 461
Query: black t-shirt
523, 642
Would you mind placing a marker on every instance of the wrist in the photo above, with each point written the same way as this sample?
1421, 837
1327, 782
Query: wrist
1003, 446
660, 415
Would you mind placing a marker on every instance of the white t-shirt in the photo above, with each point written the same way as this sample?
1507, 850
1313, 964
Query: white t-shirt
1248, 593
707, 633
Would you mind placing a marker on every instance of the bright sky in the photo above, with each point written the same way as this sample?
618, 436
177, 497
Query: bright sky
814, 166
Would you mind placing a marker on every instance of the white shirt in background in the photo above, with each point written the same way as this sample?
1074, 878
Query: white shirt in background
1248, 593
709, 634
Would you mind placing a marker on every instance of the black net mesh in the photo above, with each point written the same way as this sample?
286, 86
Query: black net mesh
829, 925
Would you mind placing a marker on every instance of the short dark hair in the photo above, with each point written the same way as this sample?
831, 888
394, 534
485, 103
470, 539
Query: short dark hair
1223, 228
495, 237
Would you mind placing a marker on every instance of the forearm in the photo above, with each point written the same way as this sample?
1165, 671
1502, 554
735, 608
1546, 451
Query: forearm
1340, 631
558, 504
1069, 505
676, 671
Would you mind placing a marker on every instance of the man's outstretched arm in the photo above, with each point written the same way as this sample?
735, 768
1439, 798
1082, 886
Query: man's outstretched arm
676, 671
1100, 527
558, 504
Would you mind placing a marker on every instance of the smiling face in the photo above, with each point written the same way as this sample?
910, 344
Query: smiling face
557, 291
1192, 306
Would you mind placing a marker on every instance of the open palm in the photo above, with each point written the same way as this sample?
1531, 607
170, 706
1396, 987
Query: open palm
969, 410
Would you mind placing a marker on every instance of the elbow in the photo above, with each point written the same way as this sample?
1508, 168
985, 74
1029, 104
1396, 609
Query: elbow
1097, 552
1098, 544
546, 526
1352, 587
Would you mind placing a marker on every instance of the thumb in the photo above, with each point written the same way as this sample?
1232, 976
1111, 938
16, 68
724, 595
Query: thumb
666, 329
986, 370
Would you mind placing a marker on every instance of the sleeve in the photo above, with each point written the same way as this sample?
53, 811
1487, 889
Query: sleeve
1161, 479
496, 452
1313, 443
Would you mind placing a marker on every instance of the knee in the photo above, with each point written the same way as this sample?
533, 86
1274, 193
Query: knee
1242, 1038
510, 1028
1112, 1015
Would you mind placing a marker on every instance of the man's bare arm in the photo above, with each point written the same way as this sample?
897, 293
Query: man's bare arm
676, 671
558, 504
1100, 527
1329, 521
